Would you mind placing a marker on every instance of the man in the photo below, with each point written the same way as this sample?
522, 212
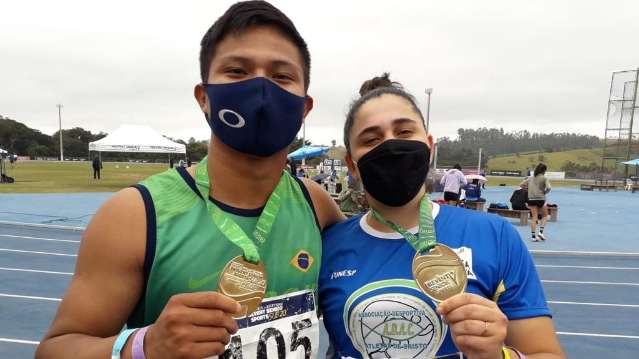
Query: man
158, 269
96, 167
453, 181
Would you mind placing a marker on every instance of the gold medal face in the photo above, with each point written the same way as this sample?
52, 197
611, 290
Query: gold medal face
245, 282
440, 273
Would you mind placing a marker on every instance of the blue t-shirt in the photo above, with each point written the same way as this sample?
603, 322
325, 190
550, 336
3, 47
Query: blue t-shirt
473, 191
372, 305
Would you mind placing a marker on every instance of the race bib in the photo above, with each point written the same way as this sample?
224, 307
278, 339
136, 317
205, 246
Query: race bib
282, 327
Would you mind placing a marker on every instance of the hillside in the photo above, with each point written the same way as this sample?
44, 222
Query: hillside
554, 160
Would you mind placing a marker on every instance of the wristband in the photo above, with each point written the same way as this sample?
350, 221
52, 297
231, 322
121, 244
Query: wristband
138, 344
120, 342
504, 353
520, 354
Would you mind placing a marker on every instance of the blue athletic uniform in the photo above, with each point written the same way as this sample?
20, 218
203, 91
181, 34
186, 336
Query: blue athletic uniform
372, 306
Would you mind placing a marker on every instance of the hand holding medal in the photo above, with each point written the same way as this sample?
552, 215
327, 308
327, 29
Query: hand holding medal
477, 325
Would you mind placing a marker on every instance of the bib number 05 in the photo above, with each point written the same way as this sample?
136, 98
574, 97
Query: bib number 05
273, 336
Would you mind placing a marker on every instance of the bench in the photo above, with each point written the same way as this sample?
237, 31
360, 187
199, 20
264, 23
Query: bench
512, 213
477, 206
607, 187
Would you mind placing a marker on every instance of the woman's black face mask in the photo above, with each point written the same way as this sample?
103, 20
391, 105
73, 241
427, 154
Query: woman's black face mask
394, 172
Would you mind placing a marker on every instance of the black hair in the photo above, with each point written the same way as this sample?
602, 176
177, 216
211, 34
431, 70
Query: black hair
243, 15
540, 169
373, 88
457, 166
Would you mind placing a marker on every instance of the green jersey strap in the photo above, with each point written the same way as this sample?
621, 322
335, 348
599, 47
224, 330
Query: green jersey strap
425, 240
232, 230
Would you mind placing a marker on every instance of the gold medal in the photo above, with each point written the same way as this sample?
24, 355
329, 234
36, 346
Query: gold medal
245, 282
440, 273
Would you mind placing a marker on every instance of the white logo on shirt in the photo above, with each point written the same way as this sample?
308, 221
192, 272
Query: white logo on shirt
343, 273
466, 256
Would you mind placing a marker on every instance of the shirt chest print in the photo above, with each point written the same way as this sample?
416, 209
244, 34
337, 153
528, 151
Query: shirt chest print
466, 255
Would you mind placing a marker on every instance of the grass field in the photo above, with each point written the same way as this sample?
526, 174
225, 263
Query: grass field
45, 176
554, 160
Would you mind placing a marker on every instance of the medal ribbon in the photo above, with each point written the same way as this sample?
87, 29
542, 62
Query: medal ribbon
425, 240
231, 230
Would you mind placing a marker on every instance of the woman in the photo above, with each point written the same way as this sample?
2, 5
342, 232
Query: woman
373, 307
538, 187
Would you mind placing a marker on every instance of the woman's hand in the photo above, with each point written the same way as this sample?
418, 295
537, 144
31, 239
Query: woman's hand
477, 325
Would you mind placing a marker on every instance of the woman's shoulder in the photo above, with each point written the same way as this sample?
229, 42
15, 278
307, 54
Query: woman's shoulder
338, 230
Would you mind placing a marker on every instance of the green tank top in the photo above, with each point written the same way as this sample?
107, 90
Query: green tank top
186, 252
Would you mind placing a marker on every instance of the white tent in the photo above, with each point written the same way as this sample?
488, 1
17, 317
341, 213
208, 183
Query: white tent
133, 138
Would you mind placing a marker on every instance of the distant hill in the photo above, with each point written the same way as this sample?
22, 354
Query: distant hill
556, 161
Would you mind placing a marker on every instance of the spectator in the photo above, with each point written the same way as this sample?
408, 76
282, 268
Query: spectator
97, 166
453, 181
538, 186
473, 191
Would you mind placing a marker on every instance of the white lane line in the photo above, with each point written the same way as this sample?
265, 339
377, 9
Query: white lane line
600, 335
596, 304
585, 267
19, 341
34, 271
584, 254
30, 297
36, 252
40, 238
580, 282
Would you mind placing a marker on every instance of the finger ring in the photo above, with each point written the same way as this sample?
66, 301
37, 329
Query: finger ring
485, 329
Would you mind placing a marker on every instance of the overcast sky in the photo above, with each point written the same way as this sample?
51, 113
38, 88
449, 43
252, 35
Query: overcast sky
543, 66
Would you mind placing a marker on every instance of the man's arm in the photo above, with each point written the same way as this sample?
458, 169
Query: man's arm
106, 285
327, 210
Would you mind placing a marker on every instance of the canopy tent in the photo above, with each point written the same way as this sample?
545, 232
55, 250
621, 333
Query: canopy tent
307, 152
136, 139
634, 162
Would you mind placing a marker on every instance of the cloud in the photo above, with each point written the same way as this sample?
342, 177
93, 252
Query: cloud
542, 66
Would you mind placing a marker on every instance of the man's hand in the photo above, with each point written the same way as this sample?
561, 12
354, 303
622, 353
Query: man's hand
477, 325
192, 325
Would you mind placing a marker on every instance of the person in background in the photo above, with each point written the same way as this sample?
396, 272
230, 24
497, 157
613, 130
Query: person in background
453, 181
97, 166
538, 187
519, 198
473, 191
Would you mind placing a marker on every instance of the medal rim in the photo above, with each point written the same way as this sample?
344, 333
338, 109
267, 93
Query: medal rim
241, 260
461, 264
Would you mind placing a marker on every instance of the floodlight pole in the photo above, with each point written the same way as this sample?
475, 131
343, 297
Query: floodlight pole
428, 92
59, 106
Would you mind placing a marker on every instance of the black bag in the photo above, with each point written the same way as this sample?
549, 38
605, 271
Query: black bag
519, 198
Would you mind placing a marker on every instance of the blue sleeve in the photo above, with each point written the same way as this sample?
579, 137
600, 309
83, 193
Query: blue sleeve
523, 296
